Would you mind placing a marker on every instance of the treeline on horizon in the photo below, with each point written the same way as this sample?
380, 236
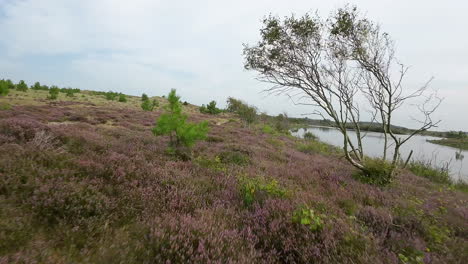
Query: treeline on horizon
249, 112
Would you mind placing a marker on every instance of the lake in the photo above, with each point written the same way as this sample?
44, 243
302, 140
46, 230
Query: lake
438, 155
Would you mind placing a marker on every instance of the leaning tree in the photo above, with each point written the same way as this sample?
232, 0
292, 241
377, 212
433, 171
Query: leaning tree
342, 66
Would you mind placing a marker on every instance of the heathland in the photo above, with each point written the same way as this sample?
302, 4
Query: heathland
84, 180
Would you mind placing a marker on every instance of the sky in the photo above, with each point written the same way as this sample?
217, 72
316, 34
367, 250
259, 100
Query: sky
150, 46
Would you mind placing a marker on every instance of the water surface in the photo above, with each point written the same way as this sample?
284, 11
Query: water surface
423, 150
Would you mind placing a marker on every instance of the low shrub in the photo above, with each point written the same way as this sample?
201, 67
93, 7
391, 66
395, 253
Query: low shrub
308, 217
122, 98
313, 147
376, 171
268, 130
309, 136
53, 93
210, 109
424, 169
234, 157
257, 189
148, 105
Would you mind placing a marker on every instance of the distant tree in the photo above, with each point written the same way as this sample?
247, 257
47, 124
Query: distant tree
36, 86
282, 122
4, 89
144, 97
69, 92
210, 109
53, 93
328, 63
122, 98
173, 122
10, 84
111, 95
44, 87
247, 113
22, 86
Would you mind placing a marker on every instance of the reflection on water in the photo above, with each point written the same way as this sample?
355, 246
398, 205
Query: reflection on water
422, 149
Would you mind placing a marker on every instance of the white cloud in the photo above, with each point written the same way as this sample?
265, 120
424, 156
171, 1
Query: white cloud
195, 46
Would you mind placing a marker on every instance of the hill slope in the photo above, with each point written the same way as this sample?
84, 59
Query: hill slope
83, 180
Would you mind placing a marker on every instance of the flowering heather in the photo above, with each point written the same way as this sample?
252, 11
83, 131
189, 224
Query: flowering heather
85, 182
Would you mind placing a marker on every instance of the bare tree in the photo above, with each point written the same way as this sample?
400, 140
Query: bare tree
330, 63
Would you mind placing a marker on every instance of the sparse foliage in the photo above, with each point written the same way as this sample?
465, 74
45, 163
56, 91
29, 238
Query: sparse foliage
328, 64
247, 113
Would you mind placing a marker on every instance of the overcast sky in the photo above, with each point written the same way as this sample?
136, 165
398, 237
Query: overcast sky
149, 46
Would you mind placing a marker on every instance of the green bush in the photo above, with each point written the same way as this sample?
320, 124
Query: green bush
309, 136
268, 130
258, 189
36, 86
111, 95
148, 105
53, 93
234, 157
122, 98
4, 89
22, 86
210, 109
308, 217
424, 169
247, 113
174, 123
376, 171
311, 147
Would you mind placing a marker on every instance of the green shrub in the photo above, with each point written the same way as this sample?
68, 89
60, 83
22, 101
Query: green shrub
258, 189
148, 105
424, 169
309, 136
214, 164
376, 171
53, 93
210, 109
268, 130
144, 97
69, 93
308, 217
234, 157
22, 86
174, 123
122, 98
36, 86
111, 95
247, 113
4, 89
311, 147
